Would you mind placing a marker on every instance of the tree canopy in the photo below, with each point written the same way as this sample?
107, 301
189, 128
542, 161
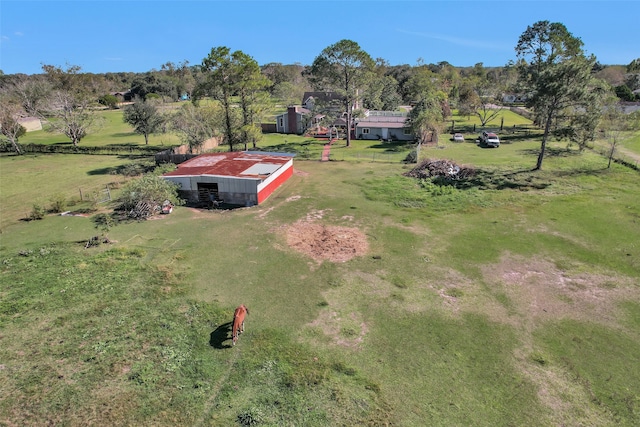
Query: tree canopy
557, 75
343, 68
230, 74
195, 123
144, 117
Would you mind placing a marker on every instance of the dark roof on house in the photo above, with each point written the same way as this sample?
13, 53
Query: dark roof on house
382, 122
322, 96
239, 164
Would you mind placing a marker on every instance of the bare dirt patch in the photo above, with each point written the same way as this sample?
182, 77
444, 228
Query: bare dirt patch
326, 242
540, 291
342, 322
345, 330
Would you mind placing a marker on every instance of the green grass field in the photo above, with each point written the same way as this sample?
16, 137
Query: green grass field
511, 299
108, 130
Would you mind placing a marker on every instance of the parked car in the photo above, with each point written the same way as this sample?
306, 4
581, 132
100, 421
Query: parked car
458, 137
490, 139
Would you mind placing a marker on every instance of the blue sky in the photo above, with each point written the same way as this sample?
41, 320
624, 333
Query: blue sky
120, 35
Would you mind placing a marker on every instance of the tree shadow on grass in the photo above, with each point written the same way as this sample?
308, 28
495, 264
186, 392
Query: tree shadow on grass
552, 152
220, 335
581, 172
524, 180
124, 134
513, 138
394, 147
132, 169
104, 171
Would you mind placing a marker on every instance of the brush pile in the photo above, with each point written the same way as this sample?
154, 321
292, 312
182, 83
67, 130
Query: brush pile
438, 168
144, 209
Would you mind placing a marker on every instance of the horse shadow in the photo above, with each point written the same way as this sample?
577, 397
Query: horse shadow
221, 334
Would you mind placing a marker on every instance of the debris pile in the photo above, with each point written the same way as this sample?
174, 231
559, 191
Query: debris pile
438, 168
143, 209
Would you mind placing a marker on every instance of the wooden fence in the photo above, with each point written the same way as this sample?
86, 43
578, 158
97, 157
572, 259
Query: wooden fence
177, 155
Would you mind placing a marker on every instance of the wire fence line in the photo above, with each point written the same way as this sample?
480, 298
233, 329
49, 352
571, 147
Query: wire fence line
97, 195
94, 195
368, 157
620, 155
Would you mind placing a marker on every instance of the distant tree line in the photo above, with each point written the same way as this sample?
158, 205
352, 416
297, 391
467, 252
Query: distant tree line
230, 94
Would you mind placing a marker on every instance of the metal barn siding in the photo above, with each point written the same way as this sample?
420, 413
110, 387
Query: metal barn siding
238, 178
274, 181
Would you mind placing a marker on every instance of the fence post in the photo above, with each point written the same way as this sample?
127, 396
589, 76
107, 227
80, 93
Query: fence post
81, 199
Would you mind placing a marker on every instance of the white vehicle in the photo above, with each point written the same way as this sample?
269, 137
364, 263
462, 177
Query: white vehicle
458, 137
490, 139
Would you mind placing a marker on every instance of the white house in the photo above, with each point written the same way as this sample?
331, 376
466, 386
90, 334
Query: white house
385, 125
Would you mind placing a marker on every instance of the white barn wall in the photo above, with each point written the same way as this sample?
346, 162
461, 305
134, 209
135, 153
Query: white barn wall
183, 181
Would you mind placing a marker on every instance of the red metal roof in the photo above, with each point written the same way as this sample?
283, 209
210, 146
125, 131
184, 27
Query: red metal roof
241, 164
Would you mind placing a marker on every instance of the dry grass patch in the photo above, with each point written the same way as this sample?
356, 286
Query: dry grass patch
540, 291
343, 329
342, 321
567, 400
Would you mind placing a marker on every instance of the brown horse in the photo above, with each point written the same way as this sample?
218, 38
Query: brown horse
238, 322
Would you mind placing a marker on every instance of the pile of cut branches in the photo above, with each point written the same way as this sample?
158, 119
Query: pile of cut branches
144, 209
438, 168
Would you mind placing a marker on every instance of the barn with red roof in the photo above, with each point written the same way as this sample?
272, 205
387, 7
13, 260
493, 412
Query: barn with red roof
244, 178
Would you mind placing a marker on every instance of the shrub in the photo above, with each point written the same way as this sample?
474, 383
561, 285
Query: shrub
143, 197
164, 168
104, 223
58, 203
37, 212
625, 93
251, 417
133, 169
412, 157
109, 101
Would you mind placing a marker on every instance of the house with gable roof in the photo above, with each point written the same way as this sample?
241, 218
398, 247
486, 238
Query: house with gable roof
383, 125
294, 120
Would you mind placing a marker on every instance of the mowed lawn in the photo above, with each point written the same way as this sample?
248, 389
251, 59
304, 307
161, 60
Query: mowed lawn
511, 300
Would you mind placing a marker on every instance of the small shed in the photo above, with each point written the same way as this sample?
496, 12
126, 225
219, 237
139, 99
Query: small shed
245, 178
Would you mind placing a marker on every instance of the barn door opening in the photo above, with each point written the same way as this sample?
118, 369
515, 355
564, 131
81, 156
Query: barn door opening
208, 192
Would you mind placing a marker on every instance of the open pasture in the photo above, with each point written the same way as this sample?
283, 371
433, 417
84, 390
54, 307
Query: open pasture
511, 299
108, 130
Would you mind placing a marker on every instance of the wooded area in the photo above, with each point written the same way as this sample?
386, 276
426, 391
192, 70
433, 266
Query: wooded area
231, 95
